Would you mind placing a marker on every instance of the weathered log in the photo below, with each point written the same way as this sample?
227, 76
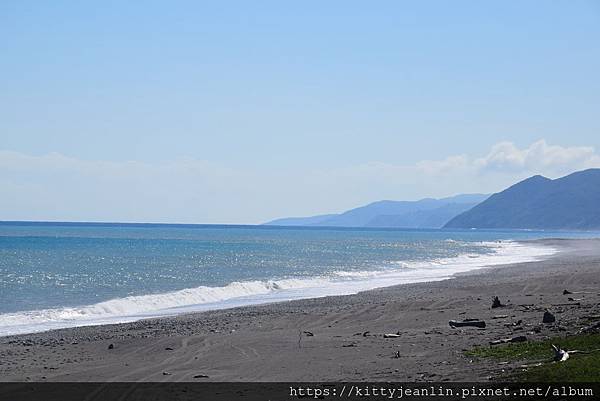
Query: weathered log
517, 339
590, 329
467, 323
560, 355
391, 335
532, 365
567, 292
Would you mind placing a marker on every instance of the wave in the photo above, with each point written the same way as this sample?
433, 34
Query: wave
201, 298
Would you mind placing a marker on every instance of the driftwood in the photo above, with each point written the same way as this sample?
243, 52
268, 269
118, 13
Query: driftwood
574, 299
560, 355
532, 365
499, 317
307, 333
518, 339
594, 327
567, 292
496, 303
391, 335
467, 323
530, 307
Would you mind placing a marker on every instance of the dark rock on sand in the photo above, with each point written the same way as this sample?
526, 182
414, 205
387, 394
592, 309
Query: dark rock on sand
496, 303
548, 317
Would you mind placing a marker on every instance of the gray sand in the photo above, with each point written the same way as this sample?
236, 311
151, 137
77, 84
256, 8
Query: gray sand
267, 343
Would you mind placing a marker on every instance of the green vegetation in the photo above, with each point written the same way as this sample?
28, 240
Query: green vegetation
580, 367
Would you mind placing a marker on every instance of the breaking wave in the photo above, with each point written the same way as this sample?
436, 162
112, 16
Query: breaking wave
201, 298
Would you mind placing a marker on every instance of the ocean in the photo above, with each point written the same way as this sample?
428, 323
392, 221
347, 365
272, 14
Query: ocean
55, 275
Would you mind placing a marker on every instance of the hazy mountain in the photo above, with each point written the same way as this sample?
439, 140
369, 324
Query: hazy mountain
571, 202
424, 213
430, 218
300, 221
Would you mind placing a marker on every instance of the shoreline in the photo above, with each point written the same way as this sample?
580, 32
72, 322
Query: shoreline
269, 342
260, 292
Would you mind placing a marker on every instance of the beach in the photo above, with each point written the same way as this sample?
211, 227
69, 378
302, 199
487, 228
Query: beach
338, 338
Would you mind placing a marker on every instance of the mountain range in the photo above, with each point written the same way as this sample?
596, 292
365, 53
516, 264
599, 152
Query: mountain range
424, 213
570, 202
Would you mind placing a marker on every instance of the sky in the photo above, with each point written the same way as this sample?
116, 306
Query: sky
241, 112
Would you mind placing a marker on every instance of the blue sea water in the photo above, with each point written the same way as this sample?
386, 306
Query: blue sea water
56, 275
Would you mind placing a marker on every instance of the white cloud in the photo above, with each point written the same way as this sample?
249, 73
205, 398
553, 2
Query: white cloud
57, 187
539, 157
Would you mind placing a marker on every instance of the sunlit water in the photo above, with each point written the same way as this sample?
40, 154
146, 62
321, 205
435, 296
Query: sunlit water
54, 276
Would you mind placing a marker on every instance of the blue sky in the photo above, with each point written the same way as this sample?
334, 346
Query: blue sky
253, 110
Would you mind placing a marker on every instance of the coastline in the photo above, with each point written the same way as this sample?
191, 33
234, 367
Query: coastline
241, 293
267, 342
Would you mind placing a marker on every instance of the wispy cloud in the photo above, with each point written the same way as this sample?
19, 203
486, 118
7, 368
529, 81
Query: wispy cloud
58, 187
507, 158
539, 157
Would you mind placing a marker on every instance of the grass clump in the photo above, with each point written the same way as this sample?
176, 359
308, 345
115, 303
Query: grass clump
580, 367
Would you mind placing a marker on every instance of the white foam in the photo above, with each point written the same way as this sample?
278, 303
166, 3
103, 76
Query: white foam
202, 298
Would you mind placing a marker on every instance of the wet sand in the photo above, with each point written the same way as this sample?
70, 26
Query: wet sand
274, 342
